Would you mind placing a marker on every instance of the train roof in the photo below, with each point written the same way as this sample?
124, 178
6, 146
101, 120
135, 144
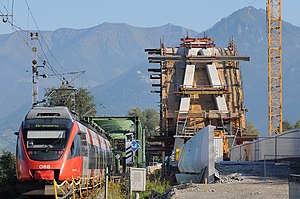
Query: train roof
39, 112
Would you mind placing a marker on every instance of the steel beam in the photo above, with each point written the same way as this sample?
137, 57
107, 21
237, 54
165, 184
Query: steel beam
197, 59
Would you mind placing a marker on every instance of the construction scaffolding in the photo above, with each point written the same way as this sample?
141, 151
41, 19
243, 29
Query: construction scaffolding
200, 85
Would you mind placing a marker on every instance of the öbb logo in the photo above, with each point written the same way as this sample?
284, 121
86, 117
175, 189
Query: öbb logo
44, 166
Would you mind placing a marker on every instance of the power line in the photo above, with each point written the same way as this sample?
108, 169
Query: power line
51, 68
16, 28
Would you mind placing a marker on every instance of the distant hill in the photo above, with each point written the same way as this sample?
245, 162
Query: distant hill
127, 91
116, 64
105, 52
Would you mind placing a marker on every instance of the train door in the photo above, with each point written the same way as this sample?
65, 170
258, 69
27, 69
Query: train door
84, 153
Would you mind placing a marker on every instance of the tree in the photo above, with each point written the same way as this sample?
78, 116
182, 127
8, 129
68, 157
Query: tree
8, 177
286, 125
136, 112
84, 101
149, 118
251, 130
7, 167
297, 125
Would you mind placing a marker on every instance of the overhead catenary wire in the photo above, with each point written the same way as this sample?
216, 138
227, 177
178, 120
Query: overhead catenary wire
42, 37
56, 73
12, 23
87, 81
15, 27
12, 10
19, 31
4, 6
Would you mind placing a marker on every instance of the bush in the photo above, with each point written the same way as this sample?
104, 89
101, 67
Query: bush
8, 177
155, 186
121, 190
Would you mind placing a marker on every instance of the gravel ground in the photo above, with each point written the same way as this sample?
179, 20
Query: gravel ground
240, 180
244, 190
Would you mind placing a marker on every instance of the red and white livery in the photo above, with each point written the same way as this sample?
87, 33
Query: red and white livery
52, 144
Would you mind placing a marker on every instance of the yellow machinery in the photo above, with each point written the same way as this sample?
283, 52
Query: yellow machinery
274, 66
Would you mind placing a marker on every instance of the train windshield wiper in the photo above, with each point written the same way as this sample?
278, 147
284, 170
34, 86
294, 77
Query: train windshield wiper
55, 141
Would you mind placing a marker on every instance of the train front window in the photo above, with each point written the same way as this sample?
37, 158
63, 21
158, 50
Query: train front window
46, 139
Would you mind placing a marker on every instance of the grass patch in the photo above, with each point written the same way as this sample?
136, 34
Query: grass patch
156, 186
121, 190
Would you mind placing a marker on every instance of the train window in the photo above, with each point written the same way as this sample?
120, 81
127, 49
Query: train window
84, 145
72, 150
104, 158
46, 138
92, 157
77, 145
83, 139
98, 159
19, 149
101, 158
46, 133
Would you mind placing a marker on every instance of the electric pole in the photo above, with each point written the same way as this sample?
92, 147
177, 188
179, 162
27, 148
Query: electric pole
35, 72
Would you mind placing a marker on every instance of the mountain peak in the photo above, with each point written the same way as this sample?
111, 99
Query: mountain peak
248, 21
248, 12
170, 24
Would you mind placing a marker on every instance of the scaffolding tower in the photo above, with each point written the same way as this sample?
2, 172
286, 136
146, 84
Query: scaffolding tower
199, 85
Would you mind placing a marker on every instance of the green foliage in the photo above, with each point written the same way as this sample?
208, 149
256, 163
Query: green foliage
286, 125
121, 191
149, 118
297, 125
251, 130
84, 101
135, 112
7, 167
157, 185
8, 177
117, 191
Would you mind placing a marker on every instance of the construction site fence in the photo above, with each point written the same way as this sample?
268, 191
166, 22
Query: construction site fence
283, 146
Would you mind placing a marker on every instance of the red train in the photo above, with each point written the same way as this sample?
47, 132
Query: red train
52, 144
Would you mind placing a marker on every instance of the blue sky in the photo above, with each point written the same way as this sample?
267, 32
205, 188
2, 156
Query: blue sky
194, 14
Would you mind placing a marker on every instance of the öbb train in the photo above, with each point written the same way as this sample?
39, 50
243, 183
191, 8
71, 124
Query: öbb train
53, 144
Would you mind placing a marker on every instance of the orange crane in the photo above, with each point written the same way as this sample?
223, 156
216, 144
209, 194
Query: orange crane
274, 66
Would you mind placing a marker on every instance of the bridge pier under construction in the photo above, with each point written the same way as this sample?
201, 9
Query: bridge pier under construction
199, 85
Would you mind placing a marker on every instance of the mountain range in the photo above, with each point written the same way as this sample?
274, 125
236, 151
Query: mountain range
116, 65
